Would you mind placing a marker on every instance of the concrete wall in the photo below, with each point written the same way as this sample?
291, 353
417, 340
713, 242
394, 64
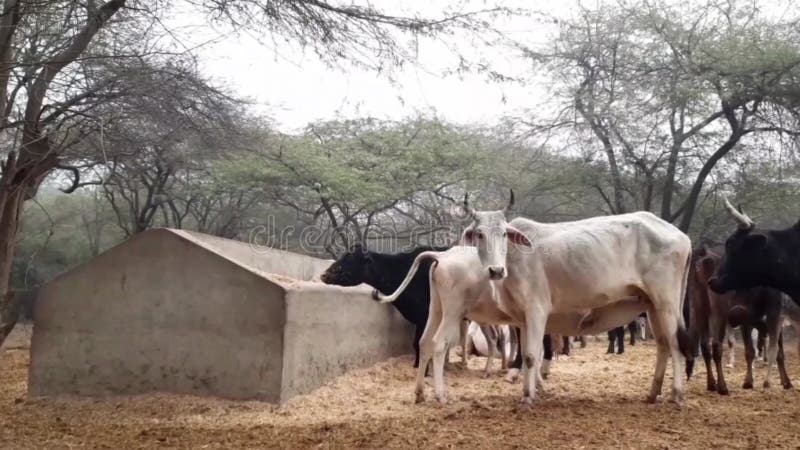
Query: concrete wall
323, 338
269, 260
162, 313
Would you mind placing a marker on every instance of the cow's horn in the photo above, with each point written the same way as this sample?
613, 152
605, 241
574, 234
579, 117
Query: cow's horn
510, 206
744, 222
468, 209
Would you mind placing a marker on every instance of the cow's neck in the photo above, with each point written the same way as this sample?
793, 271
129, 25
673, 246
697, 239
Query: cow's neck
388, 278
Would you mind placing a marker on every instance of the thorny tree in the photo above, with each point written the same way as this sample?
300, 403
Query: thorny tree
42, 98
665, 90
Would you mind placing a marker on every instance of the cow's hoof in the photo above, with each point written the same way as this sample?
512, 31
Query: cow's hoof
512, 376
787, 385
441, 400
711, 386
487, 374
767, 384
420, 397
652, 399
747, 385
722, 389
526, 400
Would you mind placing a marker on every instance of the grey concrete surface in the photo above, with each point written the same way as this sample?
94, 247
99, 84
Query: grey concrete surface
172, 311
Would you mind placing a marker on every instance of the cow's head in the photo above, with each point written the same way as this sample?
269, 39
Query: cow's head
352, 269
749, 254
490, 233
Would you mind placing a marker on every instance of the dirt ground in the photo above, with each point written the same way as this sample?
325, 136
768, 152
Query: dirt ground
592, 400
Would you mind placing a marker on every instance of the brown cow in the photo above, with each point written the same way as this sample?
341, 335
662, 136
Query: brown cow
712, 312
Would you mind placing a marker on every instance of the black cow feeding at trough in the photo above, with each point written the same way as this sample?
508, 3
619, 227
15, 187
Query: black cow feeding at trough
385, 272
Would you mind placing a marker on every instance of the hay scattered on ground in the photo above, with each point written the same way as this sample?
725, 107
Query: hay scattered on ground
593, 400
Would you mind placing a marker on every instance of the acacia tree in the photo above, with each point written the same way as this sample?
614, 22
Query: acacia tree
359, 180
666, 90
42, 97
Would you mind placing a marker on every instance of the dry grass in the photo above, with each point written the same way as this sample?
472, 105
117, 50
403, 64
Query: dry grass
592, 401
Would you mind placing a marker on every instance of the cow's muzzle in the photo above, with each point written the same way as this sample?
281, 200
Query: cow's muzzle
497, 273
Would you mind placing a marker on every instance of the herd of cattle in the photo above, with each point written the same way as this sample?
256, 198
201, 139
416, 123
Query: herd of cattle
526, 286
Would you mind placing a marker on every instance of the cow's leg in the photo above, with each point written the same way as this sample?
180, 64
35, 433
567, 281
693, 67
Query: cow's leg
729, 338
516, 365
718, 325
452, 313
565, 348
774, 320
705, 350
642, 327
662, 352
612, 336
632, 331
620, 340
547, 354
491, 343
463, 329
426, 344
417, 336
535, 321
761, 338
785, 381
582, 339
749, 354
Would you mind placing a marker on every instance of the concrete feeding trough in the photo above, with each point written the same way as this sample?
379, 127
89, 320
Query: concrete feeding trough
183, 312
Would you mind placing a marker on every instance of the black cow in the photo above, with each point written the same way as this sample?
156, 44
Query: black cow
758, 257
385, 272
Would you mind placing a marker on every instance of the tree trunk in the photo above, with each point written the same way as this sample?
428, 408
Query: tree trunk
669, 181
690, 204
11, 196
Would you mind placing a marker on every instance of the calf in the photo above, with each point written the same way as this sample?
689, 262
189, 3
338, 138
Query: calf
385, 272
709, 316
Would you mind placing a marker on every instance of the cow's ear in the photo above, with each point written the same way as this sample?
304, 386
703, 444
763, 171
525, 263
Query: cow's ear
468, 237
517, 237
755, 241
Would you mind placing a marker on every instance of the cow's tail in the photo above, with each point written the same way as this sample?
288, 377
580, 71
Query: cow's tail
376, 295
684, 339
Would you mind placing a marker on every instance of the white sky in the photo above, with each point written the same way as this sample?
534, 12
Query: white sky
295, 88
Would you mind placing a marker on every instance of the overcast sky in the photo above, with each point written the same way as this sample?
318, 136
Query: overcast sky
294, 88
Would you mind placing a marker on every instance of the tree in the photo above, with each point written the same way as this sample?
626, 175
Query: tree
364, 179
665, 90
44, 95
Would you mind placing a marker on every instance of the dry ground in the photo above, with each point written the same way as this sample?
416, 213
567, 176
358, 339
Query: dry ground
592, 401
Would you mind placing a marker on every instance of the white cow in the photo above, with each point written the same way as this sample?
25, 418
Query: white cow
567, 289
593, 263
